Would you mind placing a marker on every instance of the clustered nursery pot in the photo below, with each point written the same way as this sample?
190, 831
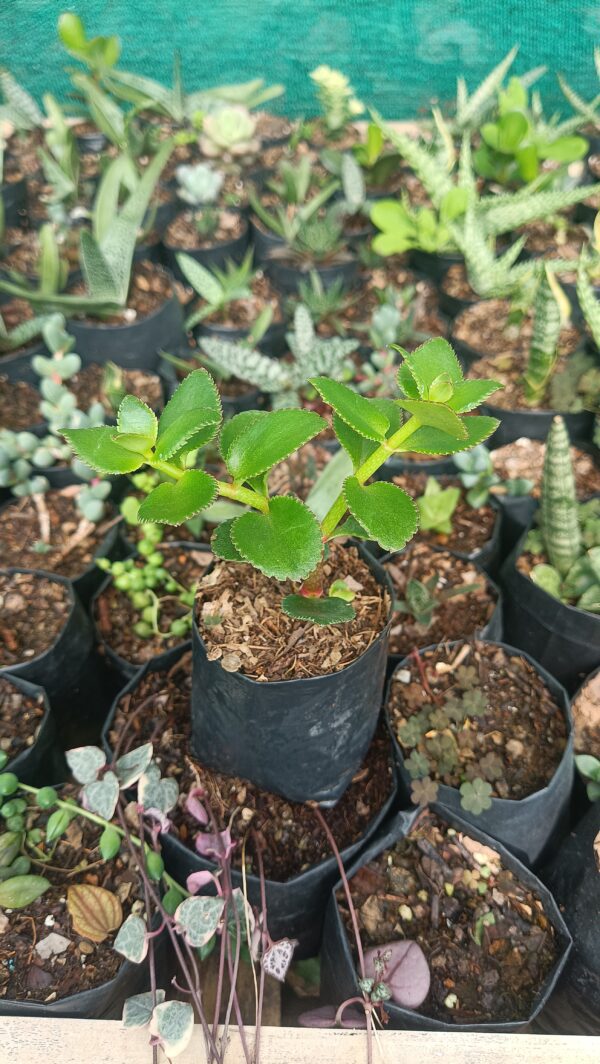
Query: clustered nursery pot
210, 255
302, 738
434, 264
536, 424
531, 825
39, 760
339, 978
563, 639
287, 277
295, 906
58, 666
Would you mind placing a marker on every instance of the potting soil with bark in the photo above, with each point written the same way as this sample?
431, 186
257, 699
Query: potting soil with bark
150, 287
183, 231
462, 615
115, 614
288, 833
242, 623
88, 387
30, 970
19, 405
20, 718
475, 711
51, 534
487, 939
472, 527
33, 612
586, 717
525, 458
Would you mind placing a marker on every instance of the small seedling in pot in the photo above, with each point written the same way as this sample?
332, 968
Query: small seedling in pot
148, 585
589, 769
436, 506
569, 532
476, 474
423, 598
326, 305
229, 134
280, 536
199, 186
217, 288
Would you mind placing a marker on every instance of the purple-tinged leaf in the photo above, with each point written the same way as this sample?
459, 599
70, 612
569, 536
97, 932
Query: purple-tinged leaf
403, 967
197, 880
219, 846
278, 957
326, 1017
194, 806
85, 762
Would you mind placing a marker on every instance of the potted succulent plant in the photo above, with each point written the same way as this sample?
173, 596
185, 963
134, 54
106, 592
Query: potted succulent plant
278, 549
208, 232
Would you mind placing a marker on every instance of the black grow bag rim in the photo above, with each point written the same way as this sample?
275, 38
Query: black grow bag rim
561, 698
490, 547
176, 653
400, 825
495, 619
219, 245
73, 603
110, 331
382, 578
32, 690
123, 665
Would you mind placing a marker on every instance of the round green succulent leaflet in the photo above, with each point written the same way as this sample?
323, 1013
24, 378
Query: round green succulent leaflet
280, 535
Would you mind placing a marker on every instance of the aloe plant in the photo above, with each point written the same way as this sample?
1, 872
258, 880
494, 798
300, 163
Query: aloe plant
283, 380
569, 532
106, 261
472, 109
550, 312
587, 110
216, 288
19, 109
280, 535
60, 161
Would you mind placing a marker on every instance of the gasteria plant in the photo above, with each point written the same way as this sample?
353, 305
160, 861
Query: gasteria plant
281, 379
569, 533
280, 535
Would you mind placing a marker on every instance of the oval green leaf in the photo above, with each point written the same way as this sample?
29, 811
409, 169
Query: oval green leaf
436, 415
172, 503
360, 413
285, 543
268, 440
97, 449
191, 417
387, 513
21, 891
135, 418
322, 611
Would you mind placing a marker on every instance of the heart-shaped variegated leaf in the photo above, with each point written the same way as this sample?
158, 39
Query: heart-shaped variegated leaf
155, 792
387, 513
318, 610
101, 796
130, 766
285, 543
198, 919
172, 1024
132, 939
173, 503
278, 957
137, 1010
86, 762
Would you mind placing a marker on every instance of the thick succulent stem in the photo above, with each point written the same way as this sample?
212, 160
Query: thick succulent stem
560, 521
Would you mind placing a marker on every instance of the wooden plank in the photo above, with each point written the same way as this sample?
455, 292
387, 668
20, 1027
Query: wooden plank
29, 1041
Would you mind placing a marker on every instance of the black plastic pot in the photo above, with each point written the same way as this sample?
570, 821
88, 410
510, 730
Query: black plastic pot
452, 306
134, 346
250, 399
339, 979
563, 639
434, 265
493, 630
397, 466
58, 669
43, 762
572, 876
264, 241
14, 200
91, 143
535, 424
303, 739
287, 277
215, 256
296, 908
531, 826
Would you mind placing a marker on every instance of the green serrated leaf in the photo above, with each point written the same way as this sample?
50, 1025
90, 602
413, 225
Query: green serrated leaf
435, 415
358, 412
222, 544
191, 417
268, 440
428, 440
421, 367
285, 543
97, 449
322, 611
135, 418
387, 513
351, 528
174, 503
356, 446
236, 427
468, 395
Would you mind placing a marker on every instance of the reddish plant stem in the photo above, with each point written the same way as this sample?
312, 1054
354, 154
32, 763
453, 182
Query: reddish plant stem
151, 957
263, 912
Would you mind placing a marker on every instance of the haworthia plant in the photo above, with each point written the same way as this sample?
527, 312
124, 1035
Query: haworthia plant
280, 535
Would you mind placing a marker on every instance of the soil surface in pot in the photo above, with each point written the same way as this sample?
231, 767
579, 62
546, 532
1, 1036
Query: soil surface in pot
183, 231
248, 631
289, 836
551, 242
19, 405
322, 137
456, 283
149, 289
586, 717
89, 387
115, 614
242, 313
489, 943
20, 718
50, 533
471, 528
525, 458
297, 474
33, 612
463, 614
26, 972
270, 126
476, 712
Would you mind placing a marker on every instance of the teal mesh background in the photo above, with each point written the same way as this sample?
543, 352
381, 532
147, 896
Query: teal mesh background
399, 53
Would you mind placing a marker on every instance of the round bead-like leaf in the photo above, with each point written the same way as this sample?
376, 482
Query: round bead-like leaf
386, 512
285, 543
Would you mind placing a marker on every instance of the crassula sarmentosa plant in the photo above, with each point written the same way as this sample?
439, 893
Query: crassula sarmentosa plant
280, 535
